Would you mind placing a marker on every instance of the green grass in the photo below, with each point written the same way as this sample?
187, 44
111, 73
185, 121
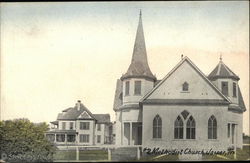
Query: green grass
83, 155
241, 154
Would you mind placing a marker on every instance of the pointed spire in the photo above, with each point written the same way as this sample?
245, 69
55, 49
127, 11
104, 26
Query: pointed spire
222, 71
139, 63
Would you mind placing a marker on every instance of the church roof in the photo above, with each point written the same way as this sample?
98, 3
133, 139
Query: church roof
241, 101
185, 59
73, 113
118, 95
222, 71
139, 64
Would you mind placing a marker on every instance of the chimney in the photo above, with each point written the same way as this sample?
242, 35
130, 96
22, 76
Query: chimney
78, 104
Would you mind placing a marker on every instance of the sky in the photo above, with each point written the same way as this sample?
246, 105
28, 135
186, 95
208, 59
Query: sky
53, 54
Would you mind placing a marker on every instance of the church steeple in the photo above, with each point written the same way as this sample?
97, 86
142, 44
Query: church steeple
139, 63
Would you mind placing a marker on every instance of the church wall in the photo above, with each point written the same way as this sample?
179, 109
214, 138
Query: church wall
169, 113
236, 118
172, 87
230, 89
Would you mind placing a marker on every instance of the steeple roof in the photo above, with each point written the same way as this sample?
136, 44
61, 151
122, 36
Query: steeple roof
139, 64
222, 71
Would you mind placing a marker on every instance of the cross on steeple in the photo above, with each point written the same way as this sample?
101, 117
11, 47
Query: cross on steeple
220, 57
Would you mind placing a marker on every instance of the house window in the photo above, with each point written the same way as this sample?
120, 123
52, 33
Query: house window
157, 125
185, 86
190, 128
84, 138
71, 124
212, 128
178, 128
71, 138
228, 130
84, 125
234, 90
63, 125
99, 127
60, 138
224, 88
137, 88
98, 138
50, 137
127, 88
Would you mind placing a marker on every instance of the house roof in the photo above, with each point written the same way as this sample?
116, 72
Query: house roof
222, 71
139, 64
73, 113
102, 118
118, 95
186, 59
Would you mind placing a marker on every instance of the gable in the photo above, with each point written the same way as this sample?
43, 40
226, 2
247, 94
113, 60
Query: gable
199, 87
84, 115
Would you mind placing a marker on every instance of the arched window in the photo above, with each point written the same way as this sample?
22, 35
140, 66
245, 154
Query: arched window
212, 128
157, 125
178, 128
185, 86
190, 132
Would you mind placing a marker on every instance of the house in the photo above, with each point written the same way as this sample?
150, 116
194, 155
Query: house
186, 109
78, 126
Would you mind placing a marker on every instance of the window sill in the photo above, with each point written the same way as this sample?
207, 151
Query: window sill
184, 92
156, 139
212, 140
184, 140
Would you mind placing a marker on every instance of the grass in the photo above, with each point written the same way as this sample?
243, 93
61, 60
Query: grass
83, 155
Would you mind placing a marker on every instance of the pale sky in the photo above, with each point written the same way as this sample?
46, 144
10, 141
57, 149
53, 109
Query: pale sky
53, 54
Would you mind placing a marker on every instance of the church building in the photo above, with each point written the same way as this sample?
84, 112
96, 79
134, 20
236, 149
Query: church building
184, 109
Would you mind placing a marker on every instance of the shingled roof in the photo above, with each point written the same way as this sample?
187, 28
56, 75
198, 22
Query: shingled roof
222, 71
73, 113
118, 95
139, 64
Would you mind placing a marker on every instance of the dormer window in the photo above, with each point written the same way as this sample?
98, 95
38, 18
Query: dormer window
137, 88
185, 86
224, 88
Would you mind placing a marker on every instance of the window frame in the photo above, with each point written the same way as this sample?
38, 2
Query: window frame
127, 88
223, 88
212, 128
98, 127
234, 89
98, 139
185, 87
71, 125
63, 125
178, 128
157, 127
191, 128
137, 87
84, 138
84, 127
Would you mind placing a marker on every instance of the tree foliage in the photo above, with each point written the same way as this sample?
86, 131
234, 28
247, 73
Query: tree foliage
24, 141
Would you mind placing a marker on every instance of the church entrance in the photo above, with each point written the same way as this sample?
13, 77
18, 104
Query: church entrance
132, 133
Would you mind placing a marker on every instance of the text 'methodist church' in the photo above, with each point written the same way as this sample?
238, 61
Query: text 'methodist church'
184, 109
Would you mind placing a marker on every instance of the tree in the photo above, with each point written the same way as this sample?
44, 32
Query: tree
24, 141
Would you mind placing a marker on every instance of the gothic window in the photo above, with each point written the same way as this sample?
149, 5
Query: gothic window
212, 128
157, 126
185, 114
190, 129
127, 88
178, 128
185, 86
137, 88
234, 90
224, 88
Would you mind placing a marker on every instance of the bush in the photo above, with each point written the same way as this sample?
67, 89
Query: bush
24, 141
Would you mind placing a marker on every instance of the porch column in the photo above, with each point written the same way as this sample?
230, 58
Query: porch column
55, 139
65, 138
77, 153
130, 133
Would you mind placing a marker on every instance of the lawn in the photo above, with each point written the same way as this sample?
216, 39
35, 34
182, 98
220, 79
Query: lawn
83, 155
